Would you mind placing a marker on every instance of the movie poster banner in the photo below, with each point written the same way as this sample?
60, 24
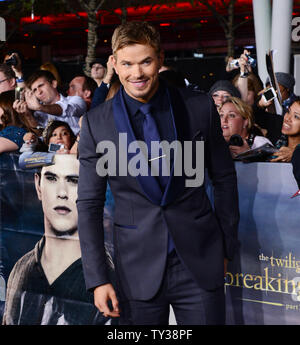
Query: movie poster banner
38, 216
263, 282
42, 279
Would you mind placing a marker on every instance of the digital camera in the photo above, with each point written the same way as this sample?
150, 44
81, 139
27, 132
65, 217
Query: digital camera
12, 61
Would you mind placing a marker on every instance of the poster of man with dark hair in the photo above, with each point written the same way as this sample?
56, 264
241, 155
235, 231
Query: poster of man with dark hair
46, 286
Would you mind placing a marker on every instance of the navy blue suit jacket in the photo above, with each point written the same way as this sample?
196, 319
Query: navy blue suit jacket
203, 237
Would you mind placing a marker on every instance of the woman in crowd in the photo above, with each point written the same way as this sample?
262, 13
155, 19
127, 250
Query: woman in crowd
236, 118
221, 90
246, 81
12, 126
290, 133
56, 132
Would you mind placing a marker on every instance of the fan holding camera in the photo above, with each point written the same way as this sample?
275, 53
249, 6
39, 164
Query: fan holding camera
238, 127
247, 82
13, 59
286, 83
245, 63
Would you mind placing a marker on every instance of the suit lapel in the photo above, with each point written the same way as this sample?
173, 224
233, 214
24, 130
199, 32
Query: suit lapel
176, 184
149, 183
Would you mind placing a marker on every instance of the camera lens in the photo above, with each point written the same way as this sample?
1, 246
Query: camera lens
236, 140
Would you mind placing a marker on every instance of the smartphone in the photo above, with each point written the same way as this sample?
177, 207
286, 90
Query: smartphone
19, 93
55, 147
269, 94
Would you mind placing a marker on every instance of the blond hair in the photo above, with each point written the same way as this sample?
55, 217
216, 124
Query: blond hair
244, 109
254, 84
135, 33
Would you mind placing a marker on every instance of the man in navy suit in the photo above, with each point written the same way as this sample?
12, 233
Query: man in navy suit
170, 245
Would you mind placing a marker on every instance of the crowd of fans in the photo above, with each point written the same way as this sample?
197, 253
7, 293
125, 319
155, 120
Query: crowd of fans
34, 109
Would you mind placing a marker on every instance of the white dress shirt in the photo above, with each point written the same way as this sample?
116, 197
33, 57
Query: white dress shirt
73, 108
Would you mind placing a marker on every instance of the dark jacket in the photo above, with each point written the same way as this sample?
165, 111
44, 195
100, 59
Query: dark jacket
143, 216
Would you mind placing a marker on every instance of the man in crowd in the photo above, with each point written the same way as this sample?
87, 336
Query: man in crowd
48, 104
46, 285
286, 83
98, 70
83, 87
103, 87
171, 248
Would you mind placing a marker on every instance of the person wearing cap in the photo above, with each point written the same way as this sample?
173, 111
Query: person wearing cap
98, 70
265, 113
222, 90
286, 83
103, 84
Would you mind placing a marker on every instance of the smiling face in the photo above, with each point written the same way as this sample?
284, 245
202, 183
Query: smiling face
57, 189
61, 135
232, 122
137, 66
291, 121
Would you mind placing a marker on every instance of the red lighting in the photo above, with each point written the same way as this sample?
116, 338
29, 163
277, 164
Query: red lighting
158, 12
26, 35
86, 30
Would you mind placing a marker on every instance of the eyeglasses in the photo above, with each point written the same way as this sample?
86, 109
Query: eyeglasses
3, 80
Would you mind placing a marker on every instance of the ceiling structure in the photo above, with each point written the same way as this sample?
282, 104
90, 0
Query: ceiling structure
185, 30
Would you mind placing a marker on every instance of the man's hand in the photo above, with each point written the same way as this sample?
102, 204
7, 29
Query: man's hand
20, 106
32, 101
30, 138
102, 294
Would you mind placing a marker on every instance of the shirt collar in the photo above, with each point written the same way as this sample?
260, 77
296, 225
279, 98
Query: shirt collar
133, 105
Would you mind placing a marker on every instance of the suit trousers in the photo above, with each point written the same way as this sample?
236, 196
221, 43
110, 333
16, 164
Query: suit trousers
192, 305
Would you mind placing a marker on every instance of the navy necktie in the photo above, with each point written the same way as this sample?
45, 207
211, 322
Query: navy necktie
149, 126
151, 134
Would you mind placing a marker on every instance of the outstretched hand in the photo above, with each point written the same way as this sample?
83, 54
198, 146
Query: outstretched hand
283, 155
